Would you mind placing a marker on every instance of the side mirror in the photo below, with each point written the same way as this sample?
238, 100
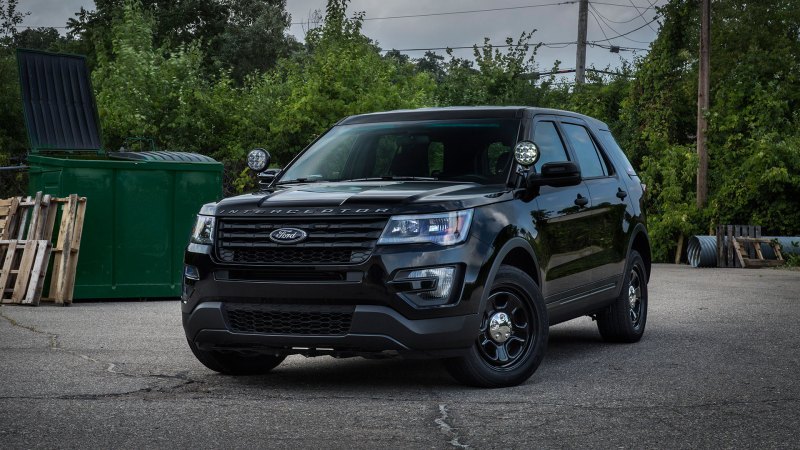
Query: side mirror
560, 173
258, 160
266, 177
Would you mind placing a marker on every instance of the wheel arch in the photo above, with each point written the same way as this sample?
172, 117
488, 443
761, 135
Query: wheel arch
516, 252
640, 242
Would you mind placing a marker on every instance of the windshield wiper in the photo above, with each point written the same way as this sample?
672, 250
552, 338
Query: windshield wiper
301, 180
394, 178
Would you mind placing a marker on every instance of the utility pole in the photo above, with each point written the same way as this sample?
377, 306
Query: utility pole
703, 88
580, 59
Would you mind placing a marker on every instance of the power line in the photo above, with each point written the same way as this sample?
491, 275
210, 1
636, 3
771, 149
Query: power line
607, 72
625, 34
606, 19
37, 26
447, 13
641, 13
598, 23
625, 6
588, 69
543, 44
620, 48
612, 28
472, 11
461, 47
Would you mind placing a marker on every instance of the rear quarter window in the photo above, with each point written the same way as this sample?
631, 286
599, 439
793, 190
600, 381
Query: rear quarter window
615, 152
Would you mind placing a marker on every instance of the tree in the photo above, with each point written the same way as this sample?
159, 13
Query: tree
754, 170
342, 74
242, 36
496, 77
433, 64
11, 131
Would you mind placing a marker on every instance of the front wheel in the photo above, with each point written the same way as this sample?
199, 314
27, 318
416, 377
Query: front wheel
625, 318
512, 337
234, 363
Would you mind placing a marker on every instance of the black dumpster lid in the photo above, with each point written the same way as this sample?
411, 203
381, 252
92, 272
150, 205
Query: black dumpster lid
58, 102
162, 156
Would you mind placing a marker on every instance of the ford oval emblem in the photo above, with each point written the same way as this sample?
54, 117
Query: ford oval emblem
287, 235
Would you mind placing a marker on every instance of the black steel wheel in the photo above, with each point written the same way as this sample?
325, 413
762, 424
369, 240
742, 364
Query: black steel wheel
231, 363
505, 329
624, 319
512, 337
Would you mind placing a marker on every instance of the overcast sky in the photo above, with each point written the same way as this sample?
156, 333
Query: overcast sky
554, 24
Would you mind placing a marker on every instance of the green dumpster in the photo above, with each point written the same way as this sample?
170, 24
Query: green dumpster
140, 205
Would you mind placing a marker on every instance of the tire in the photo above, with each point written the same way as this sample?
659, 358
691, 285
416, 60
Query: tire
236, 364
624, 319
506, 357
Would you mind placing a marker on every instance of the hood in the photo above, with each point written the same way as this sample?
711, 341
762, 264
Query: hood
364, 198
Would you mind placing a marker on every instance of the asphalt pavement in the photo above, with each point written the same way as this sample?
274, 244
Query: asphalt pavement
718, 366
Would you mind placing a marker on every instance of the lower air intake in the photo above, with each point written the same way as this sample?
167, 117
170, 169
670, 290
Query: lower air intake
289, 319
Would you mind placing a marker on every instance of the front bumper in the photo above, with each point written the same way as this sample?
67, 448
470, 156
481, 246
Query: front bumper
374, 329
383, 319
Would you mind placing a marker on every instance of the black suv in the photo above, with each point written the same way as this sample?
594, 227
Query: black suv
452, 233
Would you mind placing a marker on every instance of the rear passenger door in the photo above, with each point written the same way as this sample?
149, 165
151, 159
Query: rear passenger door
607, 206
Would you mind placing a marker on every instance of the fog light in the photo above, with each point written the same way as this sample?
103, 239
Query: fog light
430, 286
191, 272
443, 281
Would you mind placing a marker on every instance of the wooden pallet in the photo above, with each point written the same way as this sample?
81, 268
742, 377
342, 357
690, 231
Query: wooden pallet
726, 236
26, 231
8, 212
23, 269
67, 249
740, 244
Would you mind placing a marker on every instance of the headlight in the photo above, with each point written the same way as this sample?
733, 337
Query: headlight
203, 232
444, 229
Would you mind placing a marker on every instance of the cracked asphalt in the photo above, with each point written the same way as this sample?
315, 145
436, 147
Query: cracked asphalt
718, 367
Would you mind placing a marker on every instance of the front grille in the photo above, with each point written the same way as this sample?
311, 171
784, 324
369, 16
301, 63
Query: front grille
288, 319
330, 240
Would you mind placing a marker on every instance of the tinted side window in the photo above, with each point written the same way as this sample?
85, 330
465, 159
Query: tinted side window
546, 137
612, 148
592, 165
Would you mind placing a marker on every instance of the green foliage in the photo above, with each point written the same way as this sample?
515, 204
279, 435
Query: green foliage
343, 74
670, 179
219, 77
792, 259
140, 88
764, 186
753, 139
495, 78
240, 36
143, 91
601, 96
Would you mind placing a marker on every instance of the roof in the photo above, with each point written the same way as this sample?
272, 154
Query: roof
462, 112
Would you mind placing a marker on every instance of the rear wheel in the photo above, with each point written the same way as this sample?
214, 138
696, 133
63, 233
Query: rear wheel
512, 337
625, 318
235, 363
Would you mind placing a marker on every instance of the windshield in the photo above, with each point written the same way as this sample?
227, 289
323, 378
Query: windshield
478, 151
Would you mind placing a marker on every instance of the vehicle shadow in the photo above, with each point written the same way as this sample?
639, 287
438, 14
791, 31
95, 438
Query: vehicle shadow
356, 374
570, 341
567, 345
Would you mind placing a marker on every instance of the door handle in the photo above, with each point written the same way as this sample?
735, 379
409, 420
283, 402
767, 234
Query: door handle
581, 201
621, 194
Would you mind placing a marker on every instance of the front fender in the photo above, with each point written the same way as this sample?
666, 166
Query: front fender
497, 259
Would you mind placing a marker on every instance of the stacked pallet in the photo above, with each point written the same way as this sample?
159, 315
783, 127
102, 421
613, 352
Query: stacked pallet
742, 246
27, 226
